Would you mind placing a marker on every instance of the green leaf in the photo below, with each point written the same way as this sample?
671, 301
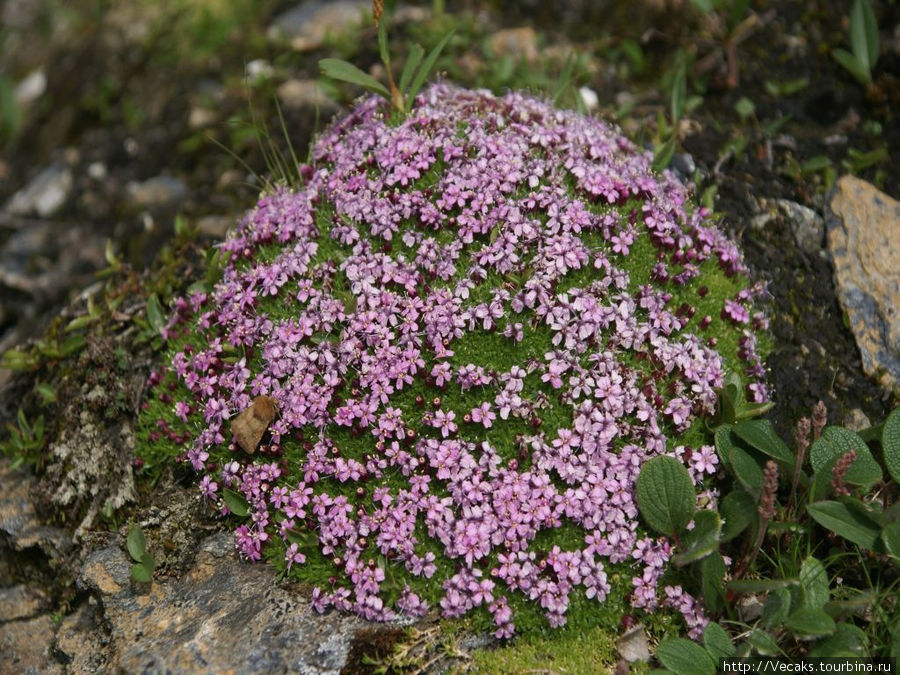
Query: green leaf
850, 524
744, 108
47, 393
747, 470
738, 510
890, 535
383, 42
235, 502
702, 540
71, 344
705, 6
685, 657
851, 65
564, 79
712, 574
864, 35
412, 62
425, 70
810, 621
136, 544
338, 69
717, 642
814, 582
679, 93
834, 443
155, 315
664, 155
846, 641
665, 495
761, 435
763, 643
777, 608
759, 585
141, 573
724, 443
890, 444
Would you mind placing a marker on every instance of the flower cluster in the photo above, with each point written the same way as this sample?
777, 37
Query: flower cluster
477, 325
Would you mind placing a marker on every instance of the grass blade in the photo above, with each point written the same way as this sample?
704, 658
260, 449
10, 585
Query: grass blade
432, 58
412, 62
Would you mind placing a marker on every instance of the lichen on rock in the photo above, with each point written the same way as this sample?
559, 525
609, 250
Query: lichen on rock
477, 323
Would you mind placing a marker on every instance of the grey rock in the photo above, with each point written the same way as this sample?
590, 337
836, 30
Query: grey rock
307, 25
21, 602
683, 164
296, 94
18, 517
856, 420
807, 226
214, 226
25, 647
44, 194
863, 228
223, 614
519, 43
634, 645
159, 191
82, 640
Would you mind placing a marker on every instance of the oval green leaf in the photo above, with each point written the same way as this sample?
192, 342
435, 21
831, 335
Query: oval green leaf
810, 621
890, 444
665, 495
848, 523
136, 544
747, 470
235, 502
700, 541
738, 510
814, 582
717, 642
833, 444
761, 435
684, 657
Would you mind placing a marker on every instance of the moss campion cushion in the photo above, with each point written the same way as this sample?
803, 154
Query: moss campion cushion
476, 324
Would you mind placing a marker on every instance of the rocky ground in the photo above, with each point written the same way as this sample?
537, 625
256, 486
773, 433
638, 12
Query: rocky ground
117, 117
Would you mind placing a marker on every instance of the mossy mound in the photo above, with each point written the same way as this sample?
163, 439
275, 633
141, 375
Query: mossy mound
475, 323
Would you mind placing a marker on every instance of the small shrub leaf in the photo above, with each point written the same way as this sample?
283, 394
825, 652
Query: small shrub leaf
763, 643
235, 502
338, 69
747, 470
810, 621
759, 585
762, 435
724, 443
835, 442
136, 544
712, 575
141, 573
717, 642
846, 641
738, 510
890, 535
155, 315
814, 582
890, 443
702, 540
665, 495
685, 657
776, 608
864, 35
848, 523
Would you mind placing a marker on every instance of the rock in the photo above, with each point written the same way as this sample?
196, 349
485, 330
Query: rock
807, 226
44, 194
863, 227
21, 602
25, 646
81, 641
214, 226
156, 192
307, 25
856, 420
519, 43
589, 97
296, 94
749, 608
222, 615
633, 645
31, 88
18, 519
683, 164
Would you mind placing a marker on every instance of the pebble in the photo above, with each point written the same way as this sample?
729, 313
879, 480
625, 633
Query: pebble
157, 191
295, 94
863, 228
306, 25
45, 194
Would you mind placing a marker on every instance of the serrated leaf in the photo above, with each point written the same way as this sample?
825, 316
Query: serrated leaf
747, 470
665, 495
425, 70
761, 435
738, 511
702, 540
810, 621
412, 62
717, 642
338, 69
890, 535
849, 524
235, 502
890, 444
136, 544
684, 657
864, 35
814, 582
833, 444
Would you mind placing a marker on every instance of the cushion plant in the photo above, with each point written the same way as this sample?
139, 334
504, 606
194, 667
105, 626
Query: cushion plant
475, 323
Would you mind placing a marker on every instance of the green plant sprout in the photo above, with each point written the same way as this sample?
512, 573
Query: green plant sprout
142, 569
863, 56
413, 76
